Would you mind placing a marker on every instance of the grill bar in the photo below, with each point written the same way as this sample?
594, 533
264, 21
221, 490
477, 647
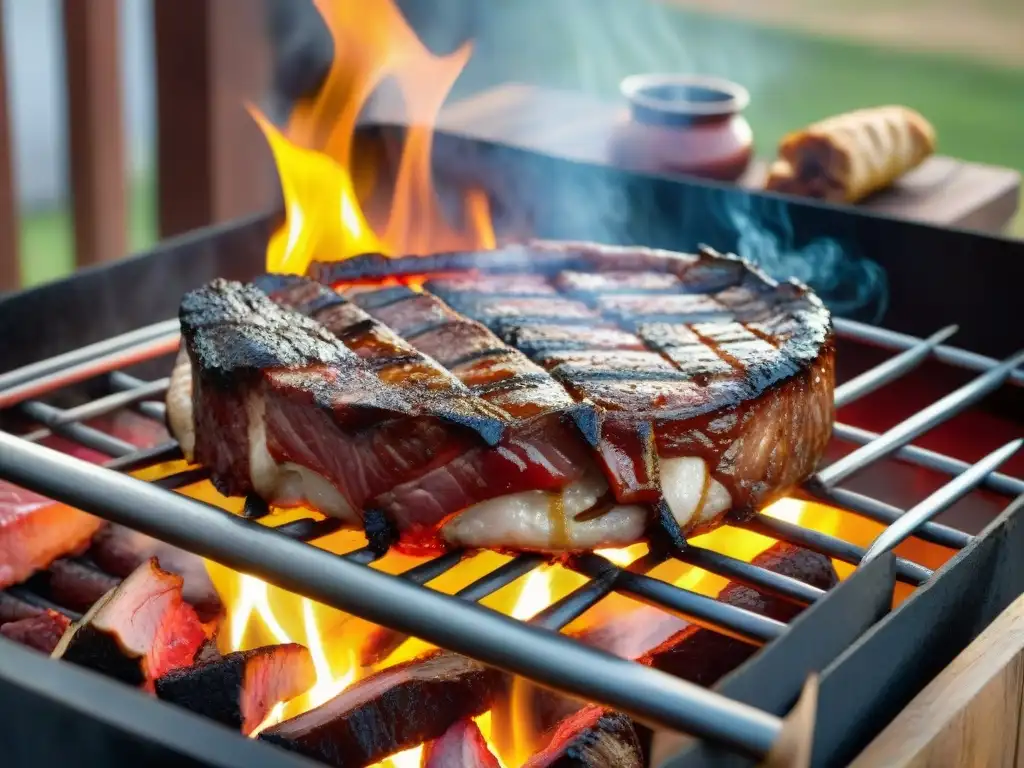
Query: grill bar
891, 369
466, 628
80, 433
938, 501
936, 533
747, 573
922, 457
906, 571
887, 339
919, 423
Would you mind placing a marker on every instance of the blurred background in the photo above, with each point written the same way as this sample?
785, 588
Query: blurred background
168, 67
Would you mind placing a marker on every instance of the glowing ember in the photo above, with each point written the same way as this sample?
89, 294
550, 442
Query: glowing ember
326, 219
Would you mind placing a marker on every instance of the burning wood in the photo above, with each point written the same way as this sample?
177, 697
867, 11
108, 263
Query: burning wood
591, 738
42, 631
461, 746
241, 688
75, 585
392, 710
120, 551
137, 632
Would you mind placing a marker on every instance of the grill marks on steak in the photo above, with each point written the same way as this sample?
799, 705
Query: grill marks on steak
322, 425
543, 397
138, 631
703, 384
241, 688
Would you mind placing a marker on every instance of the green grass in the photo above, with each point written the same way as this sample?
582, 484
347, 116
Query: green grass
794, 79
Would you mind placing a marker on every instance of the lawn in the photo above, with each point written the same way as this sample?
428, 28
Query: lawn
794, 78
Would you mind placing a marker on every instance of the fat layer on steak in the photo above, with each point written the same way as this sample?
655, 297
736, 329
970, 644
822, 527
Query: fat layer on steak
603, 382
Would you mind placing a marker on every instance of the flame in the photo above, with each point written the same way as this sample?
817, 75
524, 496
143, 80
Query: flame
316, 162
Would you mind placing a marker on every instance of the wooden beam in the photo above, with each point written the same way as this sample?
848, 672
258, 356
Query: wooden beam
212, 162
95, 129
10, 264
970, 714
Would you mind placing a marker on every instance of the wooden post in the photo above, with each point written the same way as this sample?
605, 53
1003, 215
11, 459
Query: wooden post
95, 129
10, 265
970, 714
212, 162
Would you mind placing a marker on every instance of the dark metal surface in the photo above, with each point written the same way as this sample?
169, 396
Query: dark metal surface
62, 715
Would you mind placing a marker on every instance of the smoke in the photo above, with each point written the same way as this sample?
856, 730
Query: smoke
850, 284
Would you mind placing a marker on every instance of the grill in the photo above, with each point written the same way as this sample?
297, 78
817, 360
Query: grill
871, 659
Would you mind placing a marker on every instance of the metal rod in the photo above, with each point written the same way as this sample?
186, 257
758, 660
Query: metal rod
122, 358
891, 369
702, 610
501, 576
112, 402
919, 423
933, 532
569, 608
182, 479
906, 571
882, 337
761, 579
938, 501
650, 696
80, 433
922, 457
430, 570
147, 457
82, 355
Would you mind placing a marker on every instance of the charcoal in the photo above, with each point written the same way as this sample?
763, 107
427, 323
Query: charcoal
591, 738
239, 689
392, 710
461, 746
42, 631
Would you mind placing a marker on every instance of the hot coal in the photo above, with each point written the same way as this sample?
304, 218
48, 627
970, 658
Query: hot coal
74, 584
119, 551
15, 609
392, 710
137, 632
42, 631
241, 688
461, 746
591, 738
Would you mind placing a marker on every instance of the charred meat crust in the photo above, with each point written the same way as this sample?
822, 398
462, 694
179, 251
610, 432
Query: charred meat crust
41, 632
239, 689
591, 738
392, 710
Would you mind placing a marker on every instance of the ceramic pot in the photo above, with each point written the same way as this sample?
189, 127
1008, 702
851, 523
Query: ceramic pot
684, 124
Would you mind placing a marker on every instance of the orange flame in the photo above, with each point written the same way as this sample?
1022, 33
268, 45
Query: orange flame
325, 218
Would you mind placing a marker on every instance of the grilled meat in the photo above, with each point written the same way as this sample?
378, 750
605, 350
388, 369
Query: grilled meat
285, 409
241, 688
591, 738
392, 710
119, 551
41, 632
601, 384
461, 746
15, 609
137, 632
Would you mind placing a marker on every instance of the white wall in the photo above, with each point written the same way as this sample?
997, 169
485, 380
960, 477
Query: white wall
33, 40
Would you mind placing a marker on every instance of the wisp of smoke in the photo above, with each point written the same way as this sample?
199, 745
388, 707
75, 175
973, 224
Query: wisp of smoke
848, 283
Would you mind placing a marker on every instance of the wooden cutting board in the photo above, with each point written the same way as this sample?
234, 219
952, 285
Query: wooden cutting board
576, 126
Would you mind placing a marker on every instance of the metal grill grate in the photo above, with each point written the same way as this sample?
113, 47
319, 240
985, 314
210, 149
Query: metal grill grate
280, 556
